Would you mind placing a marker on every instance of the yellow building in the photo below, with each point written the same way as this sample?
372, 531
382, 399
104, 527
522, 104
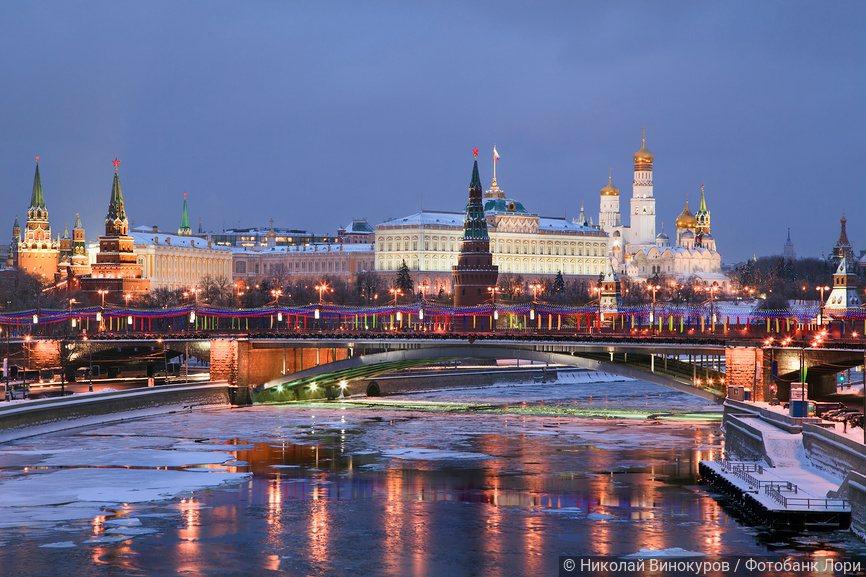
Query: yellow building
174, 261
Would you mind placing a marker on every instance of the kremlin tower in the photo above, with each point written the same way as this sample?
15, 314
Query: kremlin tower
474, 272
116, 268
37, 253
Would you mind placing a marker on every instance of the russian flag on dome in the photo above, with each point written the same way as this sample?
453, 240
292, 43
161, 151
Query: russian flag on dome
495, 154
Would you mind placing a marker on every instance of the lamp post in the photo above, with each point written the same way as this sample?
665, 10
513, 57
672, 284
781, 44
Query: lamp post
653, 287
821, 310
8, 363
90, 358
102, 293
277, 314
495, 314
126, 297
396, 292
71, 320
712, 290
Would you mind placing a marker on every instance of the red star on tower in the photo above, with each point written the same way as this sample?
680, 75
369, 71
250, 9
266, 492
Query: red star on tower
475, 152
116, 163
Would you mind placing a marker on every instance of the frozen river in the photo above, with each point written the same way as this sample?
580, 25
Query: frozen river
500, 480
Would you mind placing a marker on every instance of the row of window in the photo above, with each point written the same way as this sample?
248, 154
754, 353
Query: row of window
515, 265
300, 267
449, 244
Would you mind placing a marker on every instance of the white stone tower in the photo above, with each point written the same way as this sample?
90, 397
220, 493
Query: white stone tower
642, 229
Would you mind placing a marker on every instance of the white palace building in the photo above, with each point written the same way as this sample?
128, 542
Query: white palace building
522, 242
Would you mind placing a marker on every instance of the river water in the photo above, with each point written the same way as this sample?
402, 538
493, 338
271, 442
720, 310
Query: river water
494, 481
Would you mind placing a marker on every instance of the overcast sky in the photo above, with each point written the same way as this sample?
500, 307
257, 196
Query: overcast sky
312, 113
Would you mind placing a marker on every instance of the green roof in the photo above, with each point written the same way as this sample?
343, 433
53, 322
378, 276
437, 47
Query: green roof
115, 205
503, 205
37, 200
184, 218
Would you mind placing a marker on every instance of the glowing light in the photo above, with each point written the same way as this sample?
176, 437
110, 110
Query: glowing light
343, 384
312, 386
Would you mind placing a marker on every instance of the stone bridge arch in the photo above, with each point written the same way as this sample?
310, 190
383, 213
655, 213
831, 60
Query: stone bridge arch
324, 380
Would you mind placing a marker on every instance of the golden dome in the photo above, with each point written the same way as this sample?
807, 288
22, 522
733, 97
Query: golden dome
643, 156
610, 189
687, 219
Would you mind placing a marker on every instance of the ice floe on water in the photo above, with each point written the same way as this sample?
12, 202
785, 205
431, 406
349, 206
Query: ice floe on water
106, 486
430, 454
595, 516
59, 545
671, 552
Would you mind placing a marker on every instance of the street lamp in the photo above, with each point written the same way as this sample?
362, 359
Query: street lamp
8, 362
396, 292
90, 358
101, 319
72, 320
654, 288
276, 293
712, 290
321, 288
821, 312
126, 297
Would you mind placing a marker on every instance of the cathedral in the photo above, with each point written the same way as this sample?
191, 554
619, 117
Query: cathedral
637, 251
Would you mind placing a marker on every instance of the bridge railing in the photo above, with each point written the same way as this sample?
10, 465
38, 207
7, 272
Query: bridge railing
668, 319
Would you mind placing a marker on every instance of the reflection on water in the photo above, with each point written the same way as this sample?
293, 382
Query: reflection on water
468, 495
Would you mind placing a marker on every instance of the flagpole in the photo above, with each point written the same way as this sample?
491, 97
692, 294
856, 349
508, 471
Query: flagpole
494, 164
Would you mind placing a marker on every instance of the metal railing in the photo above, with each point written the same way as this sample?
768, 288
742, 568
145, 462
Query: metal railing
775, 493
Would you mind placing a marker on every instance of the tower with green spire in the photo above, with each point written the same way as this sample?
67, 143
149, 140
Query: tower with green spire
184, 229
702, 216
38, 253
80, 263
474, 272
116, 223
65, 249
116, 269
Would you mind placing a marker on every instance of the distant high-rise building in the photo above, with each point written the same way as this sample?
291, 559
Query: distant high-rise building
788, 251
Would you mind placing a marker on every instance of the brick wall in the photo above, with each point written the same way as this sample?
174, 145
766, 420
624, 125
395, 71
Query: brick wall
224, 361
740, 363
43, 354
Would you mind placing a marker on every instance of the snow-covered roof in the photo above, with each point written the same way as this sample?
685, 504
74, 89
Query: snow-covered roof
702, 251
427, 218
318, 248
455, 219
151, 238
549, 223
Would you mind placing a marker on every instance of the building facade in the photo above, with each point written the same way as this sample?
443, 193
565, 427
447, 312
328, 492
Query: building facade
521, 243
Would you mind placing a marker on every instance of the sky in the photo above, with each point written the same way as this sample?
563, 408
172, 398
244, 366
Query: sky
315, 113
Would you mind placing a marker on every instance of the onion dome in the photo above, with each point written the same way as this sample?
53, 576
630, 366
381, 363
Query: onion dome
662, 236
686, 219
688, 234
610, 189
643, 158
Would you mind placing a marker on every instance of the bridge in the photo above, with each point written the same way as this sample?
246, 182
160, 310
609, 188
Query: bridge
281, 366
